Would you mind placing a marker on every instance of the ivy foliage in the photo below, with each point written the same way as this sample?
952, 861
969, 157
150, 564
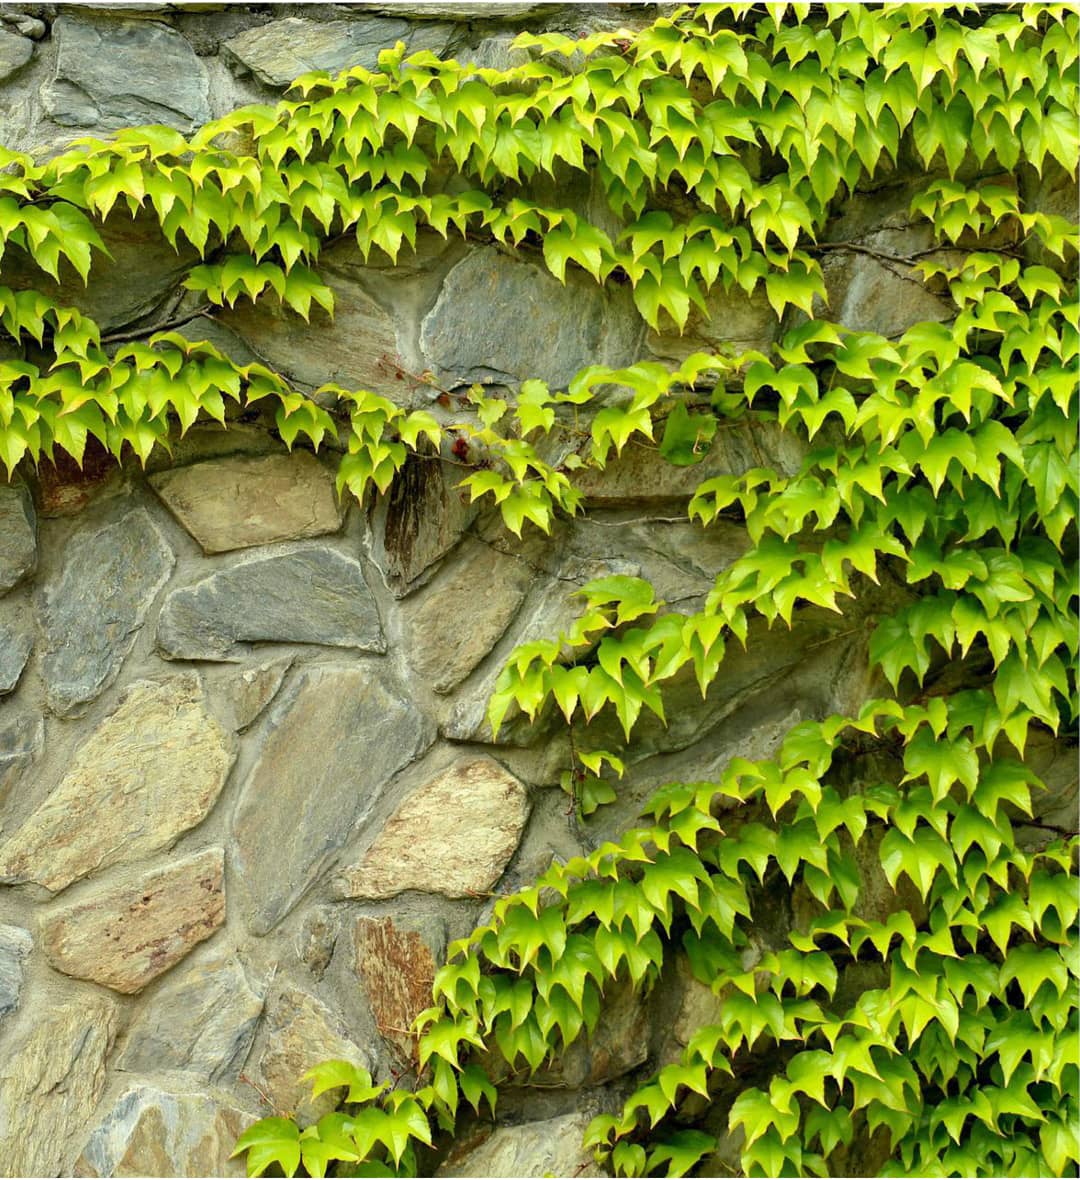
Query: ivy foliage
944, 460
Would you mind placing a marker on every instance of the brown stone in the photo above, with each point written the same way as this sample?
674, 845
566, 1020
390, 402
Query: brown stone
126, 936
452, 836
397, 970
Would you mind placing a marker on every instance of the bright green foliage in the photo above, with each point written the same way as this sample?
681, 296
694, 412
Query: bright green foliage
943, 464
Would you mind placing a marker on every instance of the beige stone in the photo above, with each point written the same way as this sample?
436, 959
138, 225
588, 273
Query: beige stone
51, 1084
452, 836
397, 970
125, 936
148, 773
255, 688
245, 500
548, 1148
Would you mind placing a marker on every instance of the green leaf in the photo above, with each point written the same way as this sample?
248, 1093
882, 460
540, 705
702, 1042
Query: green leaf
268, 1142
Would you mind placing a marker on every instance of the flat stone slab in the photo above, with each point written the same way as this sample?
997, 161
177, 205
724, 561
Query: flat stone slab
334, 737
149, 772
240, 501
126, 936
18, 535
50, 1085
310, 595
452, 836
90, 613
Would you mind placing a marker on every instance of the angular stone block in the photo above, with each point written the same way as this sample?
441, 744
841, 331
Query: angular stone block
18, 535
397, 970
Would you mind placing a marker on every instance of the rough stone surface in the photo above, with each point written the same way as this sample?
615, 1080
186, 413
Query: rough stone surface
437, 10
201, 1022
18, 535
22, 738
452, 836
868, 295
333, 740
127, 935
258, 600
16, 641
15, 945
152, 1132
241, 501
502, 320
550, 1147
301, 1032
732, 318
15, 52
123, 73
255, 688
148, 773
50, 1085
90, 613
397, 969
63, 488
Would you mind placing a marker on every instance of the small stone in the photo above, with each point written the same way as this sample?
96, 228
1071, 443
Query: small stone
333, 741
51, 1083
438, 10
29, 26
301, 1033
397, 969
15, 52
152, 1132
126, 936
18, 536
150, 771
452, 836
124, 73
304, 595
90, 614
240, 501
22, 739
502, 320
316, 941
15, 945
551, 1147
255, 688
202, 1022
16, 641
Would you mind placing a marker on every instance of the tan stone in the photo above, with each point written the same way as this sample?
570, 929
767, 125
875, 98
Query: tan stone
124, 937
548, 1148
51, 1084
452, 836
244, 500
148, 773
397, 970
255, 688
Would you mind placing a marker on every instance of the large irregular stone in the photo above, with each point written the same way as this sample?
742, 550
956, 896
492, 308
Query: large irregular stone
90, 613
124, 73
15, 945
397, 970
333, 740
16, 641
551, 1147
22, 738
499, 319
301, 1033
732, 319
304, 595
240, 501
453, 836
15, 52
284, 49
152, 1132
18, 535
868, 294
150, 771
201, 1022
51, 1083
124, 936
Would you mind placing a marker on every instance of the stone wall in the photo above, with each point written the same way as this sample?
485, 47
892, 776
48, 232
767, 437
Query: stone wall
247, 791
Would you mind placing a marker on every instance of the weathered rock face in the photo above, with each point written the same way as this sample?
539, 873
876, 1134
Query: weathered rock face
16, 641
240, 501
202, 1022
50, 1084
551, 1147
21, 741
89, 614
333, 741
452, 836
258, 600
15, 52
397, 969
18, 535
125, 936
151, 1132
255, 688
148, 773
15, 945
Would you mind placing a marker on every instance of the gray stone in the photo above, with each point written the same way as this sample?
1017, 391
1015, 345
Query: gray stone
50, 1084
18, 535
551, 1147
304, 595
332, 741
495, 53
317, 938
868, 294
22, 738
15, 52
732, 319
124, 73
438, 10
284, 49
453, 836
126, 935
90, 613
255, 688
15, 945
500, 319
152, 1132
16, 641
240, 501
202, 1022
23, 23
149, 772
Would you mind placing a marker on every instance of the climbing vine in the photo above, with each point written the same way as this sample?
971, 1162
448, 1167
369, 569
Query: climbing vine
942, 460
